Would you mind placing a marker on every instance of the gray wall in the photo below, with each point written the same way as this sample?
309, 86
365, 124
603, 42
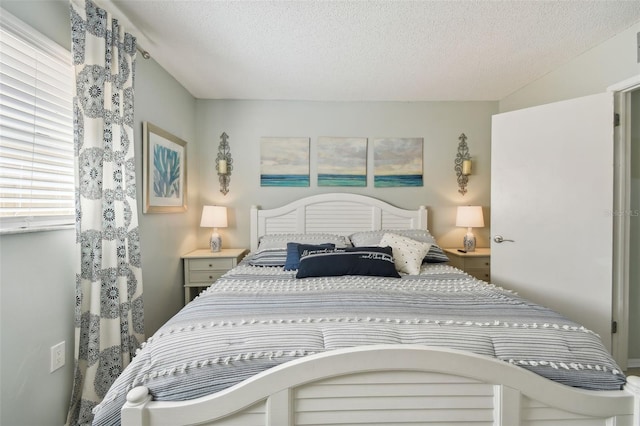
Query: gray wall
37, 270
37, 286
165, 237
439, 123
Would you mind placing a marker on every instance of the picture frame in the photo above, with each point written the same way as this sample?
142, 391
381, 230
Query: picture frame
342, 161
397, 162
284, 161
164, 171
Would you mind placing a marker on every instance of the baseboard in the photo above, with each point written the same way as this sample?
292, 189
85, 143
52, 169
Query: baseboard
633, 363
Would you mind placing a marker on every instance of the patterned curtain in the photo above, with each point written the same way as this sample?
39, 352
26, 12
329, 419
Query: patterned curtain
108, 316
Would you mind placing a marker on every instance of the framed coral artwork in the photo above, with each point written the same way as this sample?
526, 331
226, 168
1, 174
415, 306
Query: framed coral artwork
164, 168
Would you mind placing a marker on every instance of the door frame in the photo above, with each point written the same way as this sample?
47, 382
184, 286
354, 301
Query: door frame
621, 221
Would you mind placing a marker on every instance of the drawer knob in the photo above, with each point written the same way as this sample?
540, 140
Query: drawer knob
210, 265
210, 277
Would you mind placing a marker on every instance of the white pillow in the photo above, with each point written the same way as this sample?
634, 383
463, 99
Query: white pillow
407, 253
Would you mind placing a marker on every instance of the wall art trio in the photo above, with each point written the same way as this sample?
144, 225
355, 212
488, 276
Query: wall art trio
341, 161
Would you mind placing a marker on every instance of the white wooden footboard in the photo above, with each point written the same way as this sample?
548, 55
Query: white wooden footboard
393, 385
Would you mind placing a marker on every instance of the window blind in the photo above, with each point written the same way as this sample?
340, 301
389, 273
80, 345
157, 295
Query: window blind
36, 129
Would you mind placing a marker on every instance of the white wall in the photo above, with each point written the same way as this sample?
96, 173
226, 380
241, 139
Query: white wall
37, 271
439, 123
592, 72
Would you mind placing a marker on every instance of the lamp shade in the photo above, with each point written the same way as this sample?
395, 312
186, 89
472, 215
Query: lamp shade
470, 217
214, 217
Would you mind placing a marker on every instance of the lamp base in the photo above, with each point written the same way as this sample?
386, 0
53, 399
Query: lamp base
469, 241
215, 242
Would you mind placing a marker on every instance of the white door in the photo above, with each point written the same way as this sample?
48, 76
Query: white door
552, 194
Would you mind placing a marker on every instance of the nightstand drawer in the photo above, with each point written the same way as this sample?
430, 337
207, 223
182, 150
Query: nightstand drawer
481, 273
202, 267
456, 262
204, 276
477, 262
211, 264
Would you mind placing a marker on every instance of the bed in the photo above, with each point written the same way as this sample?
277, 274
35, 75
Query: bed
436, 346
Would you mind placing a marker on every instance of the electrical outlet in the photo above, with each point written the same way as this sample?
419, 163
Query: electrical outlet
57, 356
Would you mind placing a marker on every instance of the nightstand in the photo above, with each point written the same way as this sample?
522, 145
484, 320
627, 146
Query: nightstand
202, 267
476, 263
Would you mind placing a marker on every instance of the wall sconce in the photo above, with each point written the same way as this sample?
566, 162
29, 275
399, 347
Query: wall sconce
224, 164
463, 164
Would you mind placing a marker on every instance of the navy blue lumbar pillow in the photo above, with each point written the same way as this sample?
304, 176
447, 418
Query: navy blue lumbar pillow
376, 261
294, 250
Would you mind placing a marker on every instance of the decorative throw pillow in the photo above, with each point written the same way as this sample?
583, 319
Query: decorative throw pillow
295, 250
436, 255
407, 253
269, 257
376, 261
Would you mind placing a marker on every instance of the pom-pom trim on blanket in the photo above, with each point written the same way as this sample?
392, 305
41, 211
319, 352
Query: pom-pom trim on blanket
416, 321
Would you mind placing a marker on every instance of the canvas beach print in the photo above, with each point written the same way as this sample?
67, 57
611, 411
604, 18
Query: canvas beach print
342, 161
397, 162
284, 161
164, 171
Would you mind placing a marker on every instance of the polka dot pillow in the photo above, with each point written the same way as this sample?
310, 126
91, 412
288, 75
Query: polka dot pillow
407, 253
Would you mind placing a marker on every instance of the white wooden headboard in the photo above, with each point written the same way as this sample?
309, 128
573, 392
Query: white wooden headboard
335, 213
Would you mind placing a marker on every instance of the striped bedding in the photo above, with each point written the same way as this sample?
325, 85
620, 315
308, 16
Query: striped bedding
255, 318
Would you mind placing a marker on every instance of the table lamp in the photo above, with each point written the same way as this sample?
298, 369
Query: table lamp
214, 217
470, 217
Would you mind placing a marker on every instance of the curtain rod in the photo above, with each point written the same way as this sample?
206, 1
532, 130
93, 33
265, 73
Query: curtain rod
143, 52
141, 39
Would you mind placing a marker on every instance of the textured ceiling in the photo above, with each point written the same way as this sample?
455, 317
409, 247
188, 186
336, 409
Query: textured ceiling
369, 50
